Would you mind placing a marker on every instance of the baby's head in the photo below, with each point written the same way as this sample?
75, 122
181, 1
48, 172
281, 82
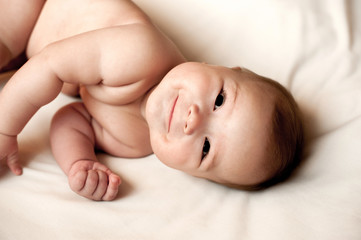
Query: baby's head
227, 125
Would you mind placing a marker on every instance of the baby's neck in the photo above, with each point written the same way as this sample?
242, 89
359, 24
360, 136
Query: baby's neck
144, 101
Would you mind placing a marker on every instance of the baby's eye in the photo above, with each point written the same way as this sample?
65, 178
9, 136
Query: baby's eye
219, 100
206, 148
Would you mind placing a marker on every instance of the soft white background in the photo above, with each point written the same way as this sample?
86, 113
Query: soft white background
311, 47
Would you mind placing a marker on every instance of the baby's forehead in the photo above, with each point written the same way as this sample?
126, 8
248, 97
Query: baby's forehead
249, 135
247, 141
251, 165
248, 169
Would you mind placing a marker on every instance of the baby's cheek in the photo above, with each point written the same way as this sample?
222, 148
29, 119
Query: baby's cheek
174, 153
169, 157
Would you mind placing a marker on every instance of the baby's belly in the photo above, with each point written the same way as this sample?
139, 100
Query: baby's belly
60, 19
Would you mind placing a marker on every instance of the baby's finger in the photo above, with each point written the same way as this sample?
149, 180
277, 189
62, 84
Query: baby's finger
90, 184
77, 181
14, 164
101, 167
101, 187
113, 186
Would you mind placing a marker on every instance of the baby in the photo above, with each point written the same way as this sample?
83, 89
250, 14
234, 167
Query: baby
139, 96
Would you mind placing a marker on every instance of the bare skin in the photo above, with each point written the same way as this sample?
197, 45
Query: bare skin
17, 19
115, 68
138, 96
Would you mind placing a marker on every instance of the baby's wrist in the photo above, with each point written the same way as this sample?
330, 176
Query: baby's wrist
7, 129
6, 134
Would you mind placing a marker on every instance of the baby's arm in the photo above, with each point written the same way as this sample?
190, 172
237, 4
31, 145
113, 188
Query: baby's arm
18, 103
22, 96
113, 57
72, 141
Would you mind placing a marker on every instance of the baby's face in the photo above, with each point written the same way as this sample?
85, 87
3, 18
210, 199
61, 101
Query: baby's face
211, 122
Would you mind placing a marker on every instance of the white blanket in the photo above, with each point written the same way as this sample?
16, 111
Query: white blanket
311, 47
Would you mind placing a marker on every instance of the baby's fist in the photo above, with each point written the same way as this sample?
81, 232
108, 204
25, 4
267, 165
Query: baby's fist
93, 180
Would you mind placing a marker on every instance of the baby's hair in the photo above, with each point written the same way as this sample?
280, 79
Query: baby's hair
286, 137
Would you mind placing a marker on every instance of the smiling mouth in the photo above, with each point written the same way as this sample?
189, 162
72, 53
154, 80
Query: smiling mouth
171, 113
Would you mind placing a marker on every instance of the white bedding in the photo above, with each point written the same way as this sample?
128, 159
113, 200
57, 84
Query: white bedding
312, 47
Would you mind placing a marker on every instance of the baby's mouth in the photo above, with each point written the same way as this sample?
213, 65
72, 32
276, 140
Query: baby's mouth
171, 113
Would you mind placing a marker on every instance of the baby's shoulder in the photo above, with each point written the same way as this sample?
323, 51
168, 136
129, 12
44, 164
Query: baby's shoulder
135, 61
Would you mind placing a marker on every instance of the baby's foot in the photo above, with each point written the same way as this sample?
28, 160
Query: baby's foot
93, 180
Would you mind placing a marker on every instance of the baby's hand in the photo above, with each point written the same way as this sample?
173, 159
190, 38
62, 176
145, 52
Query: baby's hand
93, 180
9, 153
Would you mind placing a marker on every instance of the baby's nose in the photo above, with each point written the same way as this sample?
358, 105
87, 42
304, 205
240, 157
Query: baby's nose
194, 119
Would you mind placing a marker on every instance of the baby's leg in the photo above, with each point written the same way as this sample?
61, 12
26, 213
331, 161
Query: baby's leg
72, 141
17, 19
